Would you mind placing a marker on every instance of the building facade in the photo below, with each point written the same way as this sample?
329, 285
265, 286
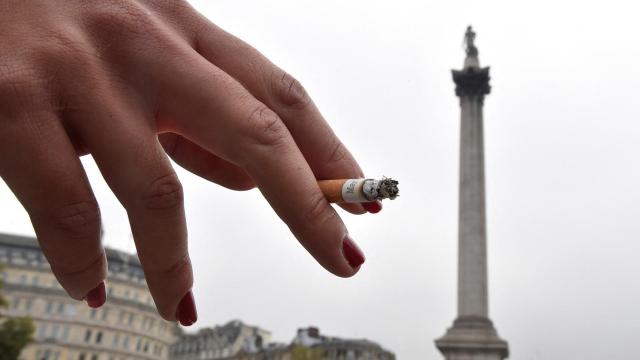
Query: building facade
334, 348
127, 327
220, 342
237, 341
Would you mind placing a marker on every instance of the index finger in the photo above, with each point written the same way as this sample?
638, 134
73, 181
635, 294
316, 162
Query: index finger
328, 157
209, 107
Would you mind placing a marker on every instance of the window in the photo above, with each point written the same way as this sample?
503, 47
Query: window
46, 355
70, 309
87, 336
92, 314
49, 307
55, 330
139, 344
28, 304
35, 280
16, 303
131, 316
105, 312
116, 340
81, 357
23, 279
99, 337
94, 357
60, 309
65, 332
42, 329
125, 343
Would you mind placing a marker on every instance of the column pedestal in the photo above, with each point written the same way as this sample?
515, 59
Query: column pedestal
472, 338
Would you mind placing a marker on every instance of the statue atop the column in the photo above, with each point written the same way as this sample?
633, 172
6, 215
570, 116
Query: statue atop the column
472, 80
469, 42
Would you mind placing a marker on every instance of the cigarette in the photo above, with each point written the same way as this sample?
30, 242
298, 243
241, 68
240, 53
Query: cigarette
358, 190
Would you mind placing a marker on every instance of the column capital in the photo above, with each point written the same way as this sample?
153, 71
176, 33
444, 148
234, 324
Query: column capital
472, 81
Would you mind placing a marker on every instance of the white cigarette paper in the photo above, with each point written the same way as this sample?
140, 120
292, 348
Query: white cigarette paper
359, 190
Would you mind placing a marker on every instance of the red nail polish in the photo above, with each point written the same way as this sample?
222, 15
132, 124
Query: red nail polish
373, 207
352, 252
186, 312
96, 297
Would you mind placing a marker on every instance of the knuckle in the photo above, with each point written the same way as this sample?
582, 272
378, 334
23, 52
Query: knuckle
339, 153
173, 8
58, 47
289, 91
319, 211
163, 193
266, 128
175, 269
77, 220
70, 269
118, 18
20, 88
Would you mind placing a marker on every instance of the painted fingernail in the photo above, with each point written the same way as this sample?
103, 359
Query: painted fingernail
96, 297
186, 312
352, 252
373, 207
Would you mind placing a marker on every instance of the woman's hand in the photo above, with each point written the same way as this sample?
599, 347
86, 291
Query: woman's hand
131, 82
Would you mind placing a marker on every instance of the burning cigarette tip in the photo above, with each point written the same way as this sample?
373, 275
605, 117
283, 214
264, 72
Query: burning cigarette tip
387, 189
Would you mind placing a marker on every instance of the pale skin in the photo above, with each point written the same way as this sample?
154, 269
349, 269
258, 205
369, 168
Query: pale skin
134, 83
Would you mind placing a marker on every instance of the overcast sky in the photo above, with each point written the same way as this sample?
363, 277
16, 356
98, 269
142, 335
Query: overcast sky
562, 146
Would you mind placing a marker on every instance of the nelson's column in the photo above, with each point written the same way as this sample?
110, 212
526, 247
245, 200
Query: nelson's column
472, 336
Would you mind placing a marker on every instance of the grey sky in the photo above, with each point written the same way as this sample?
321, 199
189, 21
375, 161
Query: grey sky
562, 147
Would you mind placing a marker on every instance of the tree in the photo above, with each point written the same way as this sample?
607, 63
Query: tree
15, 333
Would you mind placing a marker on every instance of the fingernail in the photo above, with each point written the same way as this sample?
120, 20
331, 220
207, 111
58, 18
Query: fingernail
186, 312
96, 297
372, 207
352, 252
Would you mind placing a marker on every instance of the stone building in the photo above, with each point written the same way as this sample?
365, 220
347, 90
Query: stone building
333, 348
127, 327
308, 344
220, 342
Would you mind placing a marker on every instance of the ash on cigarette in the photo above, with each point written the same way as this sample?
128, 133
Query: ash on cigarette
387, 189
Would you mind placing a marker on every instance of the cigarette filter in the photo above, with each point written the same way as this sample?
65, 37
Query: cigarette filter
359, 190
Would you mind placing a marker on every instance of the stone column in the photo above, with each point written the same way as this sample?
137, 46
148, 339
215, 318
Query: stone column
472, 254
472, 336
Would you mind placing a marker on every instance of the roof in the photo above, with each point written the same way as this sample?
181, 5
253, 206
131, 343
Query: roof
218, 337
18, 240
30, 242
